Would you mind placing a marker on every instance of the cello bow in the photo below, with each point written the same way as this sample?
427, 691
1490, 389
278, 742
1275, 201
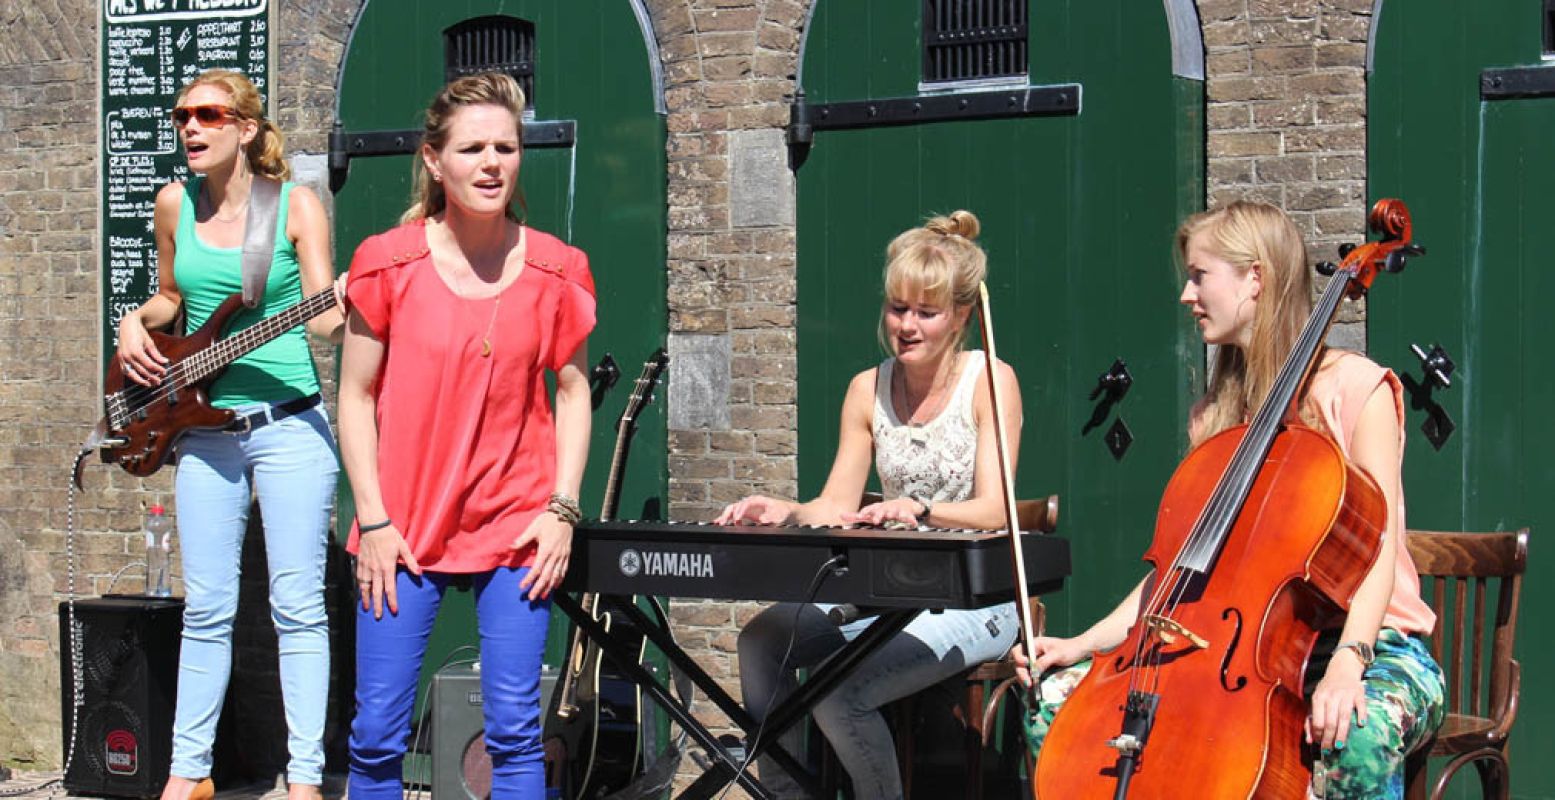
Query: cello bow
1006, 477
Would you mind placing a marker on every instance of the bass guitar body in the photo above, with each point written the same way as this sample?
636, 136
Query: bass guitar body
142, 423
1226, 665
151, 420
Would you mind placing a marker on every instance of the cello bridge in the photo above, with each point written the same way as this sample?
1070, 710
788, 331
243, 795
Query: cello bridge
1169, 630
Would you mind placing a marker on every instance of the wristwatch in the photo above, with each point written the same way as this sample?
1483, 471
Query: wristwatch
923, 501
1363, 651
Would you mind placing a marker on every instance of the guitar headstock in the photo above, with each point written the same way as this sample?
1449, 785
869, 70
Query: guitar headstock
642, 388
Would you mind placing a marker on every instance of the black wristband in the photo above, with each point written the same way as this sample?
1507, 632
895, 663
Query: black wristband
376, 526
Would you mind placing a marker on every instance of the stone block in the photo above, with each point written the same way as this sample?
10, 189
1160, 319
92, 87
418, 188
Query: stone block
761, 185
698, 388
1277, 60
726, 19
1284, 169
1333, 82
1283, 113
1223, 145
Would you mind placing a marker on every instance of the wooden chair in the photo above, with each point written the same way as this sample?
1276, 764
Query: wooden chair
1478, 723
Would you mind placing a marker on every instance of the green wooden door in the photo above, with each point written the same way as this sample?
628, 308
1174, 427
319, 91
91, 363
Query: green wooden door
1477, 175
1078, 214
605, 194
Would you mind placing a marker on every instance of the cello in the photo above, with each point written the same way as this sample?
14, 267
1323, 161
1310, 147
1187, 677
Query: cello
1262, 538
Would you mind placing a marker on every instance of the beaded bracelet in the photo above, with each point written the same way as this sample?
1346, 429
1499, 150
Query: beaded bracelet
376, 526
565, 508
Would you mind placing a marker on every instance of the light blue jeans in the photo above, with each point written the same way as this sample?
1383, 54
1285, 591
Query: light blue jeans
389, 652
930, 649
291, 465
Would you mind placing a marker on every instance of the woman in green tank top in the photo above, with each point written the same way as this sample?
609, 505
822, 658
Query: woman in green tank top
282, 450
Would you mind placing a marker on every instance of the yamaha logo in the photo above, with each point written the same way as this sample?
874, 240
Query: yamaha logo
655, 563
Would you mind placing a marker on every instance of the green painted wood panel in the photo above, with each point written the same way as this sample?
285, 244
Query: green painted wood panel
1078, 215
605, 195
1476, 175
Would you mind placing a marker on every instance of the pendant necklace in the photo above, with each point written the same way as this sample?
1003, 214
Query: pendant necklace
486, 339
916, 430
491, 323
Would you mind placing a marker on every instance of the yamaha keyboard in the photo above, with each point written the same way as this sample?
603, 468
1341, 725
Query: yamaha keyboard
913, 568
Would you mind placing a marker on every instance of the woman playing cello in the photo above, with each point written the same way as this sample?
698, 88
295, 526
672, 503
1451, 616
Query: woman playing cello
1380, 694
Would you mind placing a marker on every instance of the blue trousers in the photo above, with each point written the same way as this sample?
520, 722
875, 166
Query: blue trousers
389, 652
290, 465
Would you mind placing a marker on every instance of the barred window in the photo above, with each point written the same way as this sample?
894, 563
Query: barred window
492, 44
1549, 28
968, 40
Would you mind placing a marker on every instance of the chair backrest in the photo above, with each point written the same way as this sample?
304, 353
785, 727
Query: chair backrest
1457, 566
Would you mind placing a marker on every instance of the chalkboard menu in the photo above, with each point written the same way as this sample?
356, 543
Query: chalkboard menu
151, 48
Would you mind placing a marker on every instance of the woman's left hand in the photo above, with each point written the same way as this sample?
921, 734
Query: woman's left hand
340, 293
553, 547
1338, 695
903, 510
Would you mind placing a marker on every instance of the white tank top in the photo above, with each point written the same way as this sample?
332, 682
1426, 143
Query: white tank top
935, 459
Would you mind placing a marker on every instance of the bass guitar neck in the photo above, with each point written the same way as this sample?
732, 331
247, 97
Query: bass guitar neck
144, 422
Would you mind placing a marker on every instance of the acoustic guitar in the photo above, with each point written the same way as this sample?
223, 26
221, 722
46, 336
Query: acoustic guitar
141, 424
598, 709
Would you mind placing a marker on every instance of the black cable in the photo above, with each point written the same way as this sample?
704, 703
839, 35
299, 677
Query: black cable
426, 697
836, 565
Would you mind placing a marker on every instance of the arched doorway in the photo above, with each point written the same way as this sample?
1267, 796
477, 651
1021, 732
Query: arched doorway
593, 175
1461, 106
1075, 132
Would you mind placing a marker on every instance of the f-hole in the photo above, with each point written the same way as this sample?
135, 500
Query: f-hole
1225, 663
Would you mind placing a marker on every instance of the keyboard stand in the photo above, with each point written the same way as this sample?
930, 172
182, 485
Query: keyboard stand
793, 709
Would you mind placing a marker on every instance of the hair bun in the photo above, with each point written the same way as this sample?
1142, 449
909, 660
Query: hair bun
960, 223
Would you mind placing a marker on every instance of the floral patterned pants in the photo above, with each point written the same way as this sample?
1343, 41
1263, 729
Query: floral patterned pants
1404, 690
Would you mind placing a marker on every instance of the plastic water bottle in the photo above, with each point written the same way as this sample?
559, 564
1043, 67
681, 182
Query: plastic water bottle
159, 540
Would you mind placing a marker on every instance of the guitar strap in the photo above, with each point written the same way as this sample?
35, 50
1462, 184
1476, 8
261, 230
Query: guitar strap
264, 196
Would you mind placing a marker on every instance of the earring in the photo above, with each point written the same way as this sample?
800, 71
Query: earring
437, 177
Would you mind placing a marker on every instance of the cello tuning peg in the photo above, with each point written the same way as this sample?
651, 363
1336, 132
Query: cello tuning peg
1344, 250
1398, 259
1327, 267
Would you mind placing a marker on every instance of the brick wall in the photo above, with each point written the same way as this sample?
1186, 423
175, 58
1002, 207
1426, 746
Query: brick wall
1286, 87
49, 285
728, 70
48, 346
1286, 123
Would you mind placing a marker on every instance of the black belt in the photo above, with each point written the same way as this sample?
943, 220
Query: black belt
246, 423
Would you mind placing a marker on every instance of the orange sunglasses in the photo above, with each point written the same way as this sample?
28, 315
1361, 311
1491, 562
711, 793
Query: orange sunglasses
207, 114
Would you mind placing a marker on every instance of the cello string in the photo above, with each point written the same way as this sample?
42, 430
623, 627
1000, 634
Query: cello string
1216, 518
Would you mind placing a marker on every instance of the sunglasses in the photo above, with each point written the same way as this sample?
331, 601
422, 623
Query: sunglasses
206, 114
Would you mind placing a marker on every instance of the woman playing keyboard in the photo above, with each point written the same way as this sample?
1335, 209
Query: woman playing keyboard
924, 418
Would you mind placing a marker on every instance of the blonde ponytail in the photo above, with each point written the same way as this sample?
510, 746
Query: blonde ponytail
267, 152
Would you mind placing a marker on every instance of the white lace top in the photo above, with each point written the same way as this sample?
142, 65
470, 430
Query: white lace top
934, 459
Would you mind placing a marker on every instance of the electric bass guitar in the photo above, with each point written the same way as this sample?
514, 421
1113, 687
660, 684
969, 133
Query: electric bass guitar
142, 423
598, 709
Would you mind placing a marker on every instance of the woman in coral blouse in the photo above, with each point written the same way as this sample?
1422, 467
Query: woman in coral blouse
460, 468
